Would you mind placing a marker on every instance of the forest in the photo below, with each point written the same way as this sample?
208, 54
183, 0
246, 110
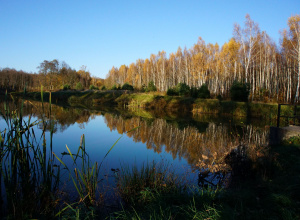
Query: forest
52, 75
251, 57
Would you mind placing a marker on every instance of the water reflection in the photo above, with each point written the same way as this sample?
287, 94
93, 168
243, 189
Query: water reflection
203, 142
63, 117
206, 141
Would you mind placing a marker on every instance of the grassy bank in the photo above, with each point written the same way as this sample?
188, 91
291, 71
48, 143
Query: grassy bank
76, 98
173, 104
240, 109
158, 103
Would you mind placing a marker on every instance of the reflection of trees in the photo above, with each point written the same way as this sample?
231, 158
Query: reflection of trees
65, 116
188, 142
69, 116
62, 117
49, 125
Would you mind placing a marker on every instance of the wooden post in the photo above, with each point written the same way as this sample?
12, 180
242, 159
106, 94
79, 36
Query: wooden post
295, 112
278, 115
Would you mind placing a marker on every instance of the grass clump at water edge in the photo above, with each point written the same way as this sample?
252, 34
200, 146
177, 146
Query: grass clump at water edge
154, 191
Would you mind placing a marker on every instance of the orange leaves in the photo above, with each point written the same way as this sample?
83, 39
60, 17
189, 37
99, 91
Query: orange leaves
294, 24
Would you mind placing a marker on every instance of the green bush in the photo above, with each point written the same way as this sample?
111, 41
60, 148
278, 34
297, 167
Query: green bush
92, 87
172, 92
194, 92
127, 86
143, 89
66, 87
203, 92
103, 88
151, 87
239, 91
114, 87
182, 89
79, 86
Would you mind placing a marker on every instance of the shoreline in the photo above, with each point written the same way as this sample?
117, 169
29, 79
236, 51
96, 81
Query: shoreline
157, 102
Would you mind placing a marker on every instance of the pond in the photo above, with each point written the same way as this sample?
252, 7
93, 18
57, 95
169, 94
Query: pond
187, 144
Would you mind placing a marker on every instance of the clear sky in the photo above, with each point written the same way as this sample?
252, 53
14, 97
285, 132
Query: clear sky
101, 34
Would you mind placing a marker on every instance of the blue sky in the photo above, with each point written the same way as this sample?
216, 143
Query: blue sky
102, 34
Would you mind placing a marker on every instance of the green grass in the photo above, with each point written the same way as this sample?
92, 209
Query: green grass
139, 186
154, 191
157, 102
135, 99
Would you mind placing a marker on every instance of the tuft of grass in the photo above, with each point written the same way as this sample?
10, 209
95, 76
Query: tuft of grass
154, 191
192, 211
192, 205
85, 176
138, 186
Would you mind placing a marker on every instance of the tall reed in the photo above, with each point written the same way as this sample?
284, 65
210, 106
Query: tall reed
85, 177
29, 174
138, 186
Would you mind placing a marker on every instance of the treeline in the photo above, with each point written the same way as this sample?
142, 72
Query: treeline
13, 80
250, 57
52, 75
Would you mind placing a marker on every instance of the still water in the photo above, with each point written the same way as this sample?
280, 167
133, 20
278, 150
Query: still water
181, 143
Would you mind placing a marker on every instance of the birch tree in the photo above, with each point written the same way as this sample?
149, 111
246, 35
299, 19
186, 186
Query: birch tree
247, 37
291, 42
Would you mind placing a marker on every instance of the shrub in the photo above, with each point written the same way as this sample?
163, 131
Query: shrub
103, 88
219, 97
143, 89
66, 87
172, 92
194, 92
203, 92
94, 87
182, 89
127, 86
151, 87
239, 91
114, 87
79, 86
